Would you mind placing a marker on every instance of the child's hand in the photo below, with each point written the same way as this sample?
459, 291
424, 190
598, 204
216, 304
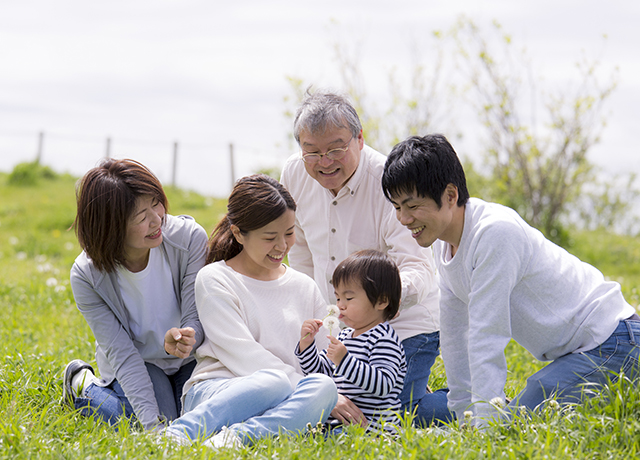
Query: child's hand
336, 351
309, 330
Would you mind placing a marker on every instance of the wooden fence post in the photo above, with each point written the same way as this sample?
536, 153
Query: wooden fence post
232, 163
175, 163
40, 146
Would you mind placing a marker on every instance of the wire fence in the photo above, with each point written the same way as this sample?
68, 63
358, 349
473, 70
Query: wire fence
209, 169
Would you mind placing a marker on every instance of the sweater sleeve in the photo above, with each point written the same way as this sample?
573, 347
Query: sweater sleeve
497, 259
196, 259
454, 347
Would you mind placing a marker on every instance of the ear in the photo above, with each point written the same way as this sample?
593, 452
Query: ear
360, 140
381, 304
237, 234
450, 195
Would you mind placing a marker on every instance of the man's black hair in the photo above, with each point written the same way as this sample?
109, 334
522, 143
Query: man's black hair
424, 165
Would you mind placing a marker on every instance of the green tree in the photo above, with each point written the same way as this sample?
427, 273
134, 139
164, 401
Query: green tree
540, 169
537, 137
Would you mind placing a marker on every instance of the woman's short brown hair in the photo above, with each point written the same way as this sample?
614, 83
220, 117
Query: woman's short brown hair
106, 198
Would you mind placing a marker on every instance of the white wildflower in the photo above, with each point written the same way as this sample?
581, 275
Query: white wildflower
21, 255
68, 246
553, 404
60, 288
333, 310
497, 402
468, 415
51, 282
46, 267
41, 258
331, 322
13, 241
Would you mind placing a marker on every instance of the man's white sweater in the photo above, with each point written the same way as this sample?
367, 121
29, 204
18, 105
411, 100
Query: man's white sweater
507, 281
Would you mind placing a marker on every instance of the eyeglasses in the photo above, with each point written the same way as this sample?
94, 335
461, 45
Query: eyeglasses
333, 154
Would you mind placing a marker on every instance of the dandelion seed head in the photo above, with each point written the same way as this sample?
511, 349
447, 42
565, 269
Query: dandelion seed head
333, 310
51, 282
331, 322
46, 267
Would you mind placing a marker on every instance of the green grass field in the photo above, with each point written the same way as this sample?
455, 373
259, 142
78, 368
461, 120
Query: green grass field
41, 330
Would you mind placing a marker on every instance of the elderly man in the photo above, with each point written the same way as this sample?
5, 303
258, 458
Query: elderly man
336, 182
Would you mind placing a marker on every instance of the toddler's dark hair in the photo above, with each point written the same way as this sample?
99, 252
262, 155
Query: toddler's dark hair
376, 273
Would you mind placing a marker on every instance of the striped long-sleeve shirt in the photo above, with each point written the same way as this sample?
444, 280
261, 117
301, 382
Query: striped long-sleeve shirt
371, 375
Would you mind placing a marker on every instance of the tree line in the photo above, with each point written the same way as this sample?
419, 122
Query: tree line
536, 137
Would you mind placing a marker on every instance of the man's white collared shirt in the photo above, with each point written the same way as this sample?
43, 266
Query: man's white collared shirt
329, 228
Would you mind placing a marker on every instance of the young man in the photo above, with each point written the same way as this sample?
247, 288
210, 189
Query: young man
335, 182
501, 279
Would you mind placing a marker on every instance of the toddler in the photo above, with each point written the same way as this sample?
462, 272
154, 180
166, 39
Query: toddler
366, 360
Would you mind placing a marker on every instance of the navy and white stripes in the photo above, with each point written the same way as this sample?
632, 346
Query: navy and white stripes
371, 375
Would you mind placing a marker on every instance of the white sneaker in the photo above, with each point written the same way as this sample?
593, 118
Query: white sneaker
73, 372
438, 431
225, 438
81, 381
169, 436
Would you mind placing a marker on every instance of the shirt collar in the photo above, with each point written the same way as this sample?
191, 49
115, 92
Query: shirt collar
352, 185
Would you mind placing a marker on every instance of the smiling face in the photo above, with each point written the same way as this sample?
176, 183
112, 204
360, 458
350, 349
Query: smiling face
143, 231
332, 174
428, 222
264, 249
356, 310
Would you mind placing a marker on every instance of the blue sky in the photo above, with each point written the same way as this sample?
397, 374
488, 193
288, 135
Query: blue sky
206, 74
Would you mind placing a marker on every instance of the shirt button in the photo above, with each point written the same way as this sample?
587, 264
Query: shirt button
333, 258
333, 230
334, 203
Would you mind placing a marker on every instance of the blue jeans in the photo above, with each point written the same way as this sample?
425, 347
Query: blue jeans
421, 352
255, 406
566, 378
110, 403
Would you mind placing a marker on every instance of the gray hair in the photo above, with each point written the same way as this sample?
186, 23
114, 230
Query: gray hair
322, 110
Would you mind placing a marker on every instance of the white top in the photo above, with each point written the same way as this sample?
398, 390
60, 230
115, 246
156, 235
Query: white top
508, 281
371, 375
152, 308
250, 324
329, 229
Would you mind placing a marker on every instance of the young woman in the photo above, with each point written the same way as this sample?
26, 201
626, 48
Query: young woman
134, 285
247, 383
